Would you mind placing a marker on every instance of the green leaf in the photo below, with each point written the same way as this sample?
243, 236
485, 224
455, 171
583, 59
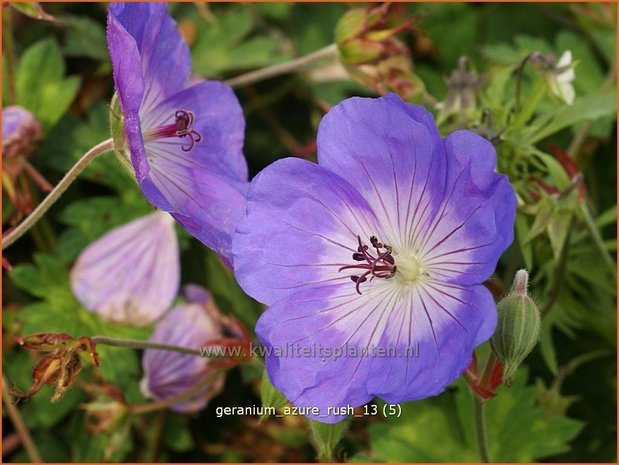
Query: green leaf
84, 38
46, 278
176, 434
522, 231
457, 26
441, 429
40, 83
229, 296
502, 53
276, 11
327, 436
551, 399
269, 395
59, 311
558, 228
556, 171
494, 94
72, 137
49, 445
547, 346
87, 446
34, 10
540, 224
587, 108
89, 219
310, 28
225, 46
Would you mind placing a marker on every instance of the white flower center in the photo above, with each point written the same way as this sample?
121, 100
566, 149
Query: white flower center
410, 269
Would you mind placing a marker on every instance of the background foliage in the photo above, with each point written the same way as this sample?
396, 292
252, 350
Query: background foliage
562, 407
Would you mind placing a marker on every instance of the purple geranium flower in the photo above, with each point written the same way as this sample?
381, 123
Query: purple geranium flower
167, 374
185, 141
131, 274
372, 260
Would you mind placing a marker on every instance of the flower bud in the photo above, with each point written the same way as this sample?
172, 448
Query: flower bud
518, 327
195, 323
371, 52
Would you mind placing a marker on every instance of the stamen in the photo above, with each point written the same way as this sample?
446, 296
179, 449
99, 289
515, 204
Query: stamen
380, 266
183, 121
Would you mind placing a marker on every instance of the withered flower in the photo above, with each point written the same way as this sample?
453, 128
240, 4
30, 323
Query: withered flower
464, 84
20, 130
61, 366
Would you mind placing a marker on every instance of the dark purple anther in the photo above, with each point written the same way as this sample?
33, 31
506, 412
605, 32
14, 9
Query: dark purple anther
380, 266
184, 120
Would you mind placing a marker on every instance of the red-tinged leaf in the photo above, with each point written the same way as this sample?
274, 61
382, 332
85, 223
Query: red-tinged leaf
496, 376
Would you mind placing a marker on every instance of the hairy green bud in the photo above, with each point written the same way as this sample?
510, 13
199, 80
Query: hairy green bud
518, 327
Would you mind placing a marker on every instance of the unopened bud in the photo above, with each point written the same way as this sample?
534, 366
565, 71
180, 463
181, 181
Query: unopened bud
518, 327
372, 54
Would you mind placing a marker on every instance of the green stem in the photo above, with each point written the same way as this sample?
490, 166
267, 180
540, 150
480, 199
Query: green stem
480, 428
55, 194
330, 51
138, 344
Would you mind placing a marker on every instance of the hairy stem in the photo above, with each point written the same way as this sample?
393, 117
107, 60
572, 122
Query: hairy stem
480, 428
138, 344
55, 194
20, 426
276, 70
